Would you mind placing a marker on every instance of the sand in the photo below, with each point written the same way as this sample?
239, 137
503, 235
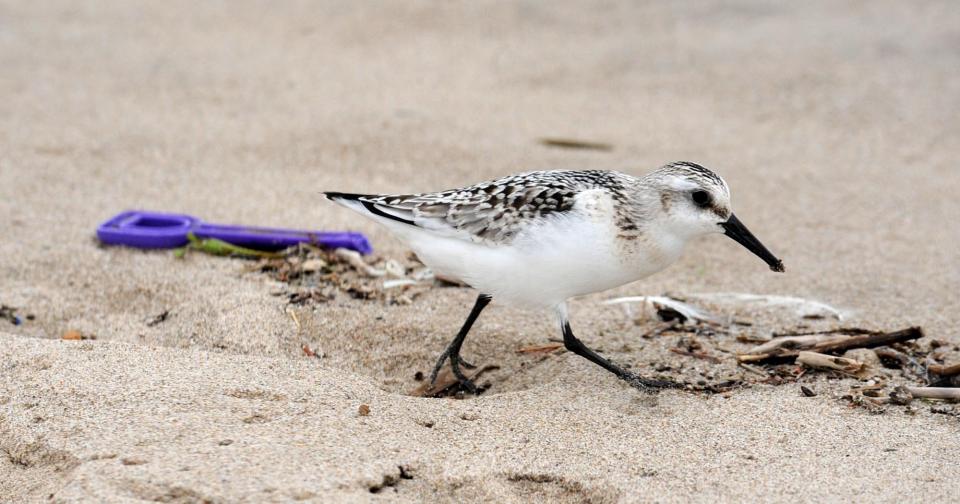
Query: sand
833, 124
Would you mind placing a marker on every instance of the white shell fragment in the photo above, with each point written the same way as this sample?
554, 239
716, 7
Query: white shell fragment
356, 260
803, 308
652, 303
399, 282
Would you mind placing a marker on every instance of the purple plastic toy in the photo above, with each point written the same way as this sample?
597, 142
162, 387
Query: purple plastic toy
151, 230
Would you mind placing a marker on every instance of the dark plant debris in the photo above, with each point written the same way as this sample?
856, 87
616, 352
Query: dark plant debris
159, 318
9, 314
569, 143
882, 369
312, 275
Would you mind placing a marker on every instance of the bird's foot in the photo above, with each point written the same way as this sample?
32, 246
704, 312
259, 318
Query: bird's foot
650, 385
465, 383
455, 363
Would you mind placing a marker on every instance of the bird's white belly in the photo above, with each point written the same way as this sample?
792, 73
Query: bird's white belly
543, 267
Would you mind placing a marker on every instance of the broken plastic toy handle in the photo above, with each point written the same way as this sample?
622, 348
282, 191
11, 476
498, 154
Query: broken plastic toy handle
151, 230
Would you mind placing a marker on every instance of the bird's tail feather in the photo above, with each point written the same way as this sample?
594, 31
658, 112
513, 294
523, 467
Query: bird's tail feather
365, 204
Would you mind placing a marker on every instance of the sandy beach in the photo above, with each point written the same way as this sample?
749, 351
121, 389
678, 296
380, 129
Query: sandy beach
834, 124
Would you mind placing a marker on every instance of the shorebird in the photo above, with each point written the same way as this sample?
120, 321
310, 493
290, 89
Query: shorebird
537, 239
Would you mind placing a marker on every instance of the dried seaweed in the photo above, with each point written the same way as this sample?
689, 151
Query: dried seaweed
312, 275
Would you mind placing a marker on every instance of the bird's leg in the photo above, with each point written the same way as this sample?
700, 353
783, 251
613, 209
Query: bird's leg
453, 350
576, 346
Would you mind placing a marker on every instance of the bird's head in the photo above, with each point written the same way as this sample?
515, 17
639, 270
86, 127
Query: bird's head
695, 201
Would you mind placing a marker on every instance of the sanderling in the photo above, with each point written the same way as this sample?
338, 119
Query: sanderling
540, 238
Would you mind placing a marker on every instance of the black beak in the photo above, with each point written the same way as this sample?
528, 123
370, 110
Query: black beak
736, 230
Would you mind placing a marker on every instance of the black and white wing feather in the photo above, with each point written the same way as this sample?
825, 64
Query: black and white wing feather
492, 212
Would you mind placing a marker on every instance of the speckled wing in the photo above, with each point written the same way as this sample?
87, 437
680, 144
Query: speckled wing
491, 212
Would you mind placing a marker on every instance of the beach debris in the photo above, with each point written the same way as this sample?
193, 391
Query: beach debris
569, 143
75, 335
71, 335
158, 319
842, 364
802, 308
867, 356
447, 384
9, 314
399, 282
944, 393
943, 409
777, 356
753, 369
790, 343
691, 347
313, 275
296, 319
872, 405
218, 247
667, 309
849, 331
356, 260
869, 339
363, 410
901, 396
313, 264
535, 349
944, 369
892, 359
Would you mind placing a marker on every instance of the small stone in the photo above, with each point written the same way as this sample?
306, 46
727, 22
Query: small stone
363, 410
807, 392
311, 265
225, 442
72, 335
301, 495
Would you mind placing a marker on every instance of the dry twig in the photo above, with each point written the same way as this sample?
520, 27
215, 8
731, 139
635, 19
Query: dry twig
869, 340
945, 370
834, 363
949, 394
549, 347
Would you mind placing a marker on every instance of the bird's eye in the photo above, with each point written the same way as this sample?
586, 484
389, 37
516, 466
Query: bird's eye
701, 198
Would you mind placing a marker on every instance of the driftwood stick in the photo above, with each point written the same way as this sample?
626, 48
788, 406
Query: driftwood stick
833, 363
794, 343
950, 394
869, 340
945, 370
850, 331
